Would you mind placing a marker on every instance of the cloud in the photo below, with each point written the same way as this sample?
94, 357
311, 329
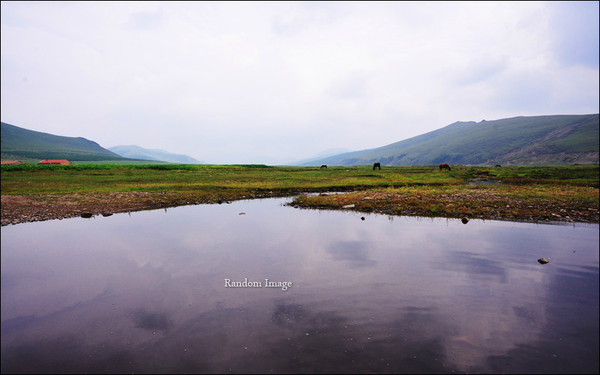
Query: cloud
145, 20
181, 76
574, 36
352, 86
482, 69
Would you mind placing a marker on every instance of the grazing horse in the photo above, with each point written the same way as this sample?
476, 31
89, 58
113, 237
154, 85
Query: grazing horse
376, 166
324, 166
445, 166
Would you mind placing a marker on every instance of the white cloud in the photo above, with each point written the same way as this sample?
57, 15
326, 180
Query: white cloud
272, 81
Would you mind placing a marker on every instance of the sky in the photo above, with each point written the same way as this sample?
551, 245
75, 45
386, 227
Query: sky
277, 82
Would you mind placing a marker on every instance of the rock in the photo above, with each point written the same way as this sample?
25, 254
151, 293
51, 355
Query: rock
464, 220
362, 218
86, 215
348, 206
543, 260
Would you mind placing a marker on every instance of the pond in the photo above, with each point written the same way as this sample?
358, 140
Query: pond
257, 287
484, 182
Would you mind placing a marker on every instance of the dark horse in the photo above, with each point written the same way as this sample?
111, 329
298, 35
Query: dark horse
324, 166
376, 166
445, 166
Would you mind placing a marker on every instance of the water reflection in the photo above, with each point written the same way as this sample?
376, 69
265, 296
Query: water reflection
145, 293
475, 266
355, 253
150, 321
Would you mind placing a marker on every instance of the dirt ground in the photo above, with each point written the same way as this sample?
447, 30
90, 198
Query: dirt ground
21, 209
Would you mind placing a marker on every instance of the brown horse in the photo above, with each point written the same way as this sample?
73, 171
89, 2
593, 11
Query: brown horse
376, 166
445, 166
324, 166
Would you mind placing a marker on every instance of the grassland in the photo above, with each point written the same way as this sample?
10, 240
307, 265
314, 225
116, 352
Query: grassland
31, 192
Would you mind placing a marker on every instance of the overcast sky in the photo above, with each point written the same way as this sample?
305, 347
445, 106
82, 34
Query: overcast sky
274, 82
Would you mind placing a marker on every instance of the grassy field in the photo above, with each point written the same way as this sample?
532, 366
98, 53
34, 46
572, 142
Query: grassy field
393, 190
214, 179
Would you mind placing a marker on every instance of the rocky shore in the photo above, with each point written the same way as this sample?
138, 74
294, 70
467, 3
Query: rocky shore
474, 204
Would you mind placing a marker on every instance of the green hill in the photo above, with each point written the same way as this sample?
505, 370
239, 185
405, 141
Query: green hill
20, 143
535, 140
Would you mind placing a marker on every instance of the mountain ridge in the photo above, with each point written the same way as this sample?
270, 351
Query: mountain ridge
521, 140
17, 142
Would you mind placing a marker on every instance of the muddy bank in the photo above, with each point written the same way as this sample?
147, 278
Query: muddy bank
471, 204
21, 209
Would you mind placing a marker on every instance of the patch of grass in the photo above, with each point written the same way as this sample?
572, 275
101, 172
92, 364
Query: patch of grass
513, 202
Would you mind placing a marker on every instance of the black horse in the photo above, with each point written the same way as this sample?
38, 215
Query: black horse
324, 166
376, 166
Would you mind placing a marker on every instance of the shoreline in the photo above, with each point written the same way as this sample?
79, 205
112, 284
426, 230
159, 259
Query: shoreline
17, 209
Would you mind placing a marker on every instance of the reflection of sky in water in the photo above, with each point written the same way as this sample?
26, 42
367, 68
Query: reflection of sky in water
145, 293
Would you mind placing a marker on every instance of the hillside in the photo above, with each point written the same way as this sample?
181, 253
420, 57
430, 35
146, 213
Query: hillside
20, 143
322, 155
539, 140
137, 152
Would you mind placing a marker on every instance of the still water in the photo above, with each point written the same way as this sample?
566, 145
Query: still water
153, 292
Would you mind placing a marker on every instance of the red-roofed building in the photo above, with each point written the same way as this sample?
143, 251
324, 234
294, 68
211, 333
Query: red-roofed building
61, 162
11, 162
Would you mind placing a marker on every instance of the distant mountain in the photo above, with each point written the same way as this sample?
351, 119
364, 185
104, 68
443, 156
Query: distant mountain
137, 152
20, 143
322, 155
534, 140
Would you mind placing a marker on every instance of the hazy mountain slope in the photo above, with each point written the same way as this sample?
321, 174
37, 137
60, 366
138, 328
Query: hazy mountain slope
560, 139
322, 155
137, 152
18, 142
348, 158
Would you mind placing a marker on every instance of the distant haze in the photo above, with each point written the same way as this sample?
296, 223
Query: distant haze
278, 82
136, 152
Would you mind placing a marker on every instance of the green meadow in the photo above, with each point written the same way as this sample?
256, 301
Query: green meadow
421, 188
98, 178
